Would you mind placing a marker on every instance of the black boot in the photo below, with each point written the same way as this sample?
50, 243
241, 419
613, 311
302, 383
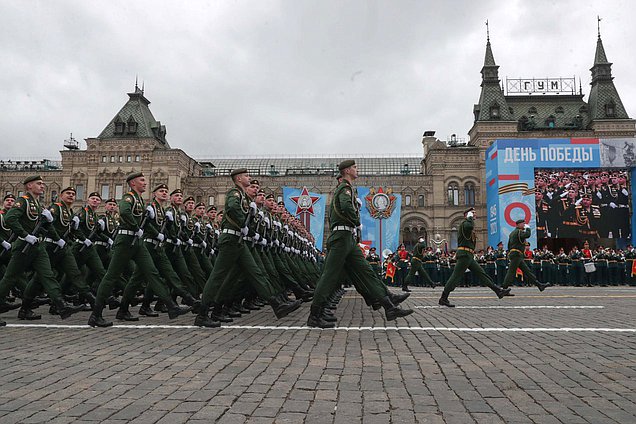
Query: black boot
443, 301
2, 323
189, 300
231, 312
405, 288
396, 299
501, 293
282, 309
89, 298
96, 319
328, 316
6, 307
391, 311
26, 313
203, 320
124, 314
146, 309
316, 318
161, 307
238, 307
543, 286
218, 314
249, 304
64, 309
175, 310
113, 303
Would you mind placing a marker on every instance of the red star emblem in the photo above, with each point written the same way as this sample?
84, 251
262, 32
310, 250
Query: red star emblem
304, 202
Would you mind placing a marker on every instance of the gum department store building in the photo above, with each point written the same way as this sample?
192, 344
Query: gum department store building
436, 187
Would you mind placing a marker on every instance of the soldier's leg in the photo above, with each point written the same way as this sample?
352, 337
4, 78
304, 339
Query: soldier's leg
515, 262
195, 268
181, 268
339, 247
458, 273
482, 276
528, 277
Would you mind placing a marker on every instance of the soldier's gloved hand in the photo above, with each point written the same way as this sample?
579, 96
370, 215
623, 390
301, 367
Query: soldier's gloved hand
261, 214
526, 226
184, 219
212, 251
47, 215
160, 237
625, 192
565, 193
245, 231
613, 205
599, 195
359, 202
568, 185
550, 195
139, 233
359, 228
286, 249
267, 222
31, 239
178, 242
102, 224
257, 237
277, 243
253, 208
76, 222
204, 244
264, 242
87, 242
169, 216
578, 202
470, 214
197, 226
209, 227
217, 232
6, 245
549, 234
150, 212
190, 242
61, 243
110, 242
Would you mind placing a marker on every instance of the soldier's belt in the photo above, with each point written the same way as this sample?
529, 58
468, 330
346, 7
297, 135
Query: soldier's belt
490, 262
576, 260
429, 262
540, 228
612, 262
233, 232
588, 232
516, 250
563, 263
570, 223
39, 239
468, 249
629, 259
196, 244
247, 238
152, 241
49, 239
546, 260
343, 228
126, 232
100, 243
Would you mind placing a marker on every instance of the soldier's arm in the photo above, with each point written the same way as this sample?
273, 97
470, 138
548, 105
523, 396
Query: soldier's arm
468, 225
13, 217
151, 230
344, 200
125, 211
233, 207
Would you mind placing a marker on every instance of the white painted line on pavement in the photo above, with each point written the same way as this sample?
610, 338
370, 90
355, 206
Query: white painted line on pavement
271, 327
511, 307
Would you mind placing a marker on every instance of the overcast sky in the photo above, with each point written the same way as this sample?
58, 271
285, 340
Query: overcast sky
286, 77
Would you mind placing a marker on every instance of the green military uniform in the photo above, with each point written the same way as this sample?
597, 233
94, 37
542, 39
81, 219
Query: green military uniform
600, 260
188, 231
173, 233
490, 267
516, 245
564, 264
102, 247
22, 220
374, 261
6, 238
501, 260
576, 256
417, 265
466, 240
128, 246
89, 230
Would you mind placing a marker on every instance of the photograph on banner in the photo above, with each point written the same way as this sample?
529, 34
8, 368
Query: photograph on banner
309, 208
380, 217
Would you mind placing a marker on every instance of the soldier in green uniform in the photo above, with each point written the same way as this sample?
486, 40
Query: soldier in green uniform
89, 230
630, 272
374, 260
26, 219
200, 245
490, 266
417, 258
344, 254
234, 252
189, 231
128, 246
501, 259
516, 244
111, 222
576, 256
6, 238
466, 240
564, 267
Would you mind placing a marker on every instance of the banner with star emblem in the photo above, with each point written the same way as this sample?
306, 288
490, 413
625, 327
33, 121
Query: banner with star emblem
380, 217
309, 208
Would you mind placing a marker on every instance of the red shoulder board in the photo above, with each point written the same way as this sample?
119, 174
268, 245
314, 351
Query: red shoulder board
24, 196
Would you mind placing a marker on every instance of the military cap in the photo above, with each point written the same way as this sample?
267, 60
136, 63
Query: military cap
500, 243
520, 221
30, 179
111, 200
176, 191
238, 171
269, 196
260, 190
199, 204
134, 175
159, 187
281, 203
346, 164
372, 249
468, 210
212, 208
255, 182
9, 196
95, 194
220, 212
338, 176
188, 199
69, 189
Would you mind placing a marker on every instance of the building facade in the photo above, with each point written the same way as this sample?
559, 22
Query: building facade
436, 186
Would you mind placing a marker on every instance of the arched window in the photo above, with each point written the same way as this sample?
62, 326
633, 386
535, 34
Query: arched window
469, 194
420, 201
453, 194
610, 109
407, 200
453, 239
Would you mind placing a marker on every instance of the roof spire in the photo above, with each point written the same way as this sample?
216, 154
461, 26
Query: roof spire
136, 86
487, 31
598, 25
143, 86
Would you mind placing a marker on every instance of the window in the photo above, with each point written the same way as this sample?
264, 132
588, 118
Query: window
137, 158
112, 159
119, 191
420, 201
407, 200
469, 194
610, 109
132, 126
104, 159
121, 159
79, 190
453, 239
211, 200
550, 122
128, 158
453, 194
119, 127
54, 196
494, 112
105, 191
279, 199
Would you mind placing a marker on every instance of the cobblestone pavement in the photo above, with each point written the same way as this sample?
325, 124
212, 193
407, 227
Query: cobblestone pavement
567, 355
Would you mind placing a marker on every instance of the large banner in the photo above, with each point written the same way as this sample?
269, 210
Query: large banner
380, 217
309, 208
571, 183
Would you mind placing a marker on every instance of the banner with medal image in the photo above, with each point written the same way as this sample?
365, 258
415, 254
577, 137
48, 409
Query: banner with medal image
380, 217
309, 208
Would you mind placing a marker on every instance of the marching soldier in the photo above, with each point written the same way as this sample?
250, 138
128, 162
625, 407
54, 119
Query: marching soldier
6, 238
466, 240
129, 246
501, 262
89, 230
111, 222
344, 255
417, 257
516, 242
27, 219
